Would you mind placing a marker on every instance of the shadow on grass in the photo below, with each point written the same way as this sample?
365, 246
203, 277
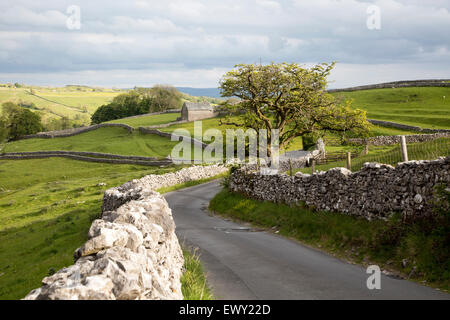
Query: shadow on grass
29, 253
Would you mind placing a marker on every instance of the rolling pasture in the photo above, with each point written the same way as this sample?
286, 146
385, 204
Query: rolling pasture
59, 102
150, 120
46, 208
426, 107
106, 140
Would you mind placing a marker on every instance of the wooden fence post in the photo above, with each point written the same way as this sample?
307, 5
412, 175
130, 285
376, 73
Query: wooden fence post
349, 160
404, 148
313, 165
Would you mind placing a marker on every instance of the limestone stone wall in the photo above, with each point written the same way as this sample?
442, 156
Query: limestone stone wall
389, 140
405, 126
132, 251
75, 131
87, 156
147, 130
375, 191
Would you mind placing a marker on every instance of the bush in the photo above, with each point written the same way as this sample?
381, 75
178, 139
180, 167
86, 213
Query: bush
138, 101
16, 122
309, 141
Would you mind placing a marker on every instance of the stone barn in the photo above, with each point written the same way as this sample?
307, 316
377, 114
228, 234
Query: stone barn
192, 111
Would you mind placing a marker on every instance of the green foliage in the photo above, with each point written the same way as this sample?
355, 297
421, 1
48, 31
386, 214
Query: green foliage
124, 105
17, 122
63, 123
289, 98
424, 243
165, 97
193, 281
309, 140
138, 101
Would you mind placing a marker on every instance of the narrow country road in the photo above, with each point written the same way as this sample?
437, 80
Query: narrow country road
247, 264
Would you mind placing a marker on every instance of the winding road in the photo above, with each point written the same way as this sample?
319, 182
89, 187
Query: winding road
242, 263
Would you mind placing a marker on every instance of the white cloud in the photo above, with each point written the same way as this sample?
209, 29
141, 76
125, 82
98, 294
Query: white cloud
21, 16
202, 35
272, 5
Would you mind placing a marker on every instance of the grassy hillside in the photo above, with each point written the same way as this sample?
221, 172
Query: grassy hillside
67, 102
392, 155
75, 102
421, 106
46, 208
106, 140
151, 120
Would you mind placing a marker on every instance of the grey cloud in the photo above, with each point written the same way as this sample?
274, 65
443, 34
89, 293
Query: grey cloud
203, 35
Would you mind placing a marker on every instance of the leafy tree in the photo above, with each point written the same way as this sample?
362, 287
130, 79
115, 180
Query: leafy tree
138, 101
166, 97
16, 122
3, 130
289, 98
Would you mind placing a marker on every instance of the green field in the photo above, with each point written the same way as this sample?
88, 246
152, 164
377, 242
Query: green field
426, 107
106, 140
64, 101
392, 155
46, 208
146, 121
78, 102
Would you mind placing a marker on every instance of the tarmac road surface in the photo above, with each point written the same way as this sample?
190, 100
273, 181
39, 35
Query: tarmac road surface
242, 263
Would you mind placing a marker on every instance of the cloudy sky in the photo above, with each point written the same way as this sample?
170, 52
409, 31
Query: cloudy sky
194, 42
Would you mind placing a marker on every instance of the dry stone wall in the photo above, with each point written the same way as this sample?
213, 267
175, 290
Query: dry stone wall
132, 252
389, 140
87, 156
405, 126
148, 130
75, 131
375, 191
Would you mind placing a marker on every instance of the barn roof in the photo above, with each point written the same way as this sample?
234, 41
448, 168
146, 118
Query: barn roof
198, 106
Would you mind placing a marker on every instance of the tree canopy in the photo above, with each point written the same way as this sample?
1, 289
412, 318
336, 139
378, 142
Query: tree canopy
16, 122
139, 101
287, 97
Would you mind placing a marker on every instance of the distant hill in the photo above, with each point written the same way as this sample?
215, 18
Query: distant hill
398, 84
200, 92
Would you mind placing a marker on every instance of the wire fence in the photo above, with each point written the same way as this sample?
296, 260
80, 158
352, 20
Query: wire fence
391, 155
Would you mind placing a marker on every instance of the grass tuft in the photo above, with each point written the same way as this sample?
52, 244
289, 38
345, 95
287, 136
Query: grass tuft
193, 281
